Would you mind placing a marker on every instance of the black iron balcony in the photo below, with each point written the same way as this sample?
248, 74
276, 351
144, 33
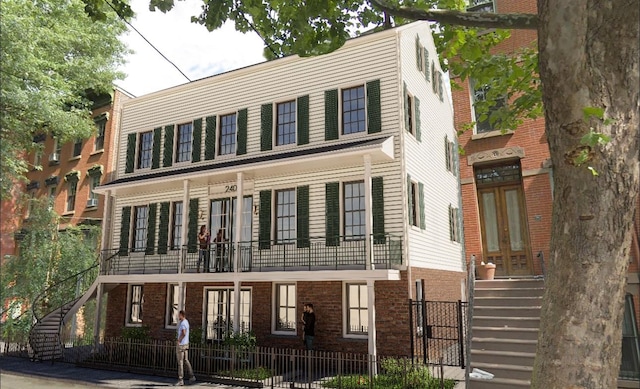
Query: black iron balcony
318, 253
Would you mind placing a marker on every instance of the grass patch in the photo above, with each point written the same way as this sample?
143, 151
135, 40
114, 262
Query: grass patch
259, 373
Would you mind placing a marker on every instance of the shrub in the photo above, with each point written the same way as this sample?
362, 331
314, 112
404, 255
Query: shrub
137, 333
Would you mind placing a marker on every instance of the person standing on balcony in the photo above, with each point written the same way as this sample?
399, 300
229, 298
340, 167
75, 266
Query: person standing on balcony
220, 263
309, 322
203, 240
182, 351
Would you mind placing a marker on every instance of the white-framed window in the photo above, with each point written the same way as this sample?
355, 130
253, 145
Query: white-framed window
454, 226
227, 134
52, 192
72, 187
285, 221
356, 311
481, 6
30, 204
353, 200
415, 203
145, 146
184, 142
479, 97
173, 301
57, 147
37, 159
101, 126
95, 182
285, 309
411, 114
630, 366
176, 225
77, 148
140, 223
135, 303
218, 312
285, 133
353, 112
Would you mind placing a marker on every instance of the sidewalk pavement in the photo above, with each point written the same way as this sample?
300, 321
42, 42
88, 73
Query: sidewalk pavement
73, 374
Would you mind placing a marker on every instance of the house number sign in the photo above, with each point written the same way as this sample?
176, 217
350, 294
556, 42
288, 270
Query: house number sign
230, 188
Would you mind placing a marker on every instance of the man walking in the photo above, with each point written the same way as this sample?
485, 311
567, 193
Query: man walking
309, 321
182, 351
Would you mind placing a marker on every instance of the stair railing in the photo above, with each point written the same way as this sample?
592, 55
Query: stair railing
471, 282
542, 264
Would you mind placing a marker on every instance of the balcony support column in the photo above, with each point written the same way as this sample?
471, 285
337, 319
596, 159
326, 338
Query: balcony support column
185, 219
236, 306
98, 316
181, 295
371, 331
368, 218
238, 218
105, 242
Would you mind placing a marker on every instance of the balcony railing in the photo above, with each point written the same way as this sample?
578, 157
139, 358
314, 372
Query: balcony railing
318, 253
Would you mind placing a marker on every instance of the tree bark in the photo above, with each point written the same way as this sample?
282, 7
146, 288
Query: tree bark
588, 58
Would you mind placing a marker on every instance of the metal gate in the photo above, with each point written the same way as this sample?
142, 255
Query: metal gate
437, 331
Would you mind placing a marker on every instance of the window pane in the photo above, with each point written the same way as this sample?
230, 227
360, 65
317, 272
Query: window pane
71, 195
285, 216
354, 213
227, 144
183, 148
135, 304
286, 123
353, 113
144, 150
286, 308
357, 318
99, 143
490, 222
172, 301
140, 228
176, 239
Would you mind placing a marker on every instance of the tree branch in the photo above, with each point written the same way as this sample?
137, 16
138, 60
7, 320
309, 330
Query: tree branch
469, 19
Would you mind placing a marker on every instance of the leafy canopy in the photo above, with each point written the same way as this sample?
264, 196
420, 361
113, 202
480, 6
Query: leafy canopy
52, 54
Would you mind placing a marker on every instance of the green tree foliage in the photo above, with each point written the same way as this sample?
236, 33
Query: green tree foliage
46, 257
52, 54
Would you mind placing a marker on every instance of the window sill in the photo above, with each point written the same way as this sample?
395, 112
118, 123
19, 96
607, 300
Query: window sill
133, 324
170, 327
356, 337
69, 213
490, 134
285, 333
76, 158
88, 209
97, 152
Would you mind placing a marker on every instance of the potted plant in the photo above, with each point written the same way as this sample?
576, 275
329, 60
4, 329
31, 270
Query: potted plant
487, 271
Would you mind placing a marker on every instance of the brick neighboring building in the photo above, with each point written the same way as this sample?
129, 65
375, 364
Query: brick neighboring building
506, 179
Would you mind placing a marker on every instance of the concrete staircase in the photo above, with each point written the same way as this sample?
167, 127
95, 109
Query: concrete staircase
506, 318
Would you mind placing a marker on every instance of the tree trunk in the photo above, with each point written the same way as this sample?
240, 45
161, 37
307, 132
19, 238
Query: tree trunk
588, 58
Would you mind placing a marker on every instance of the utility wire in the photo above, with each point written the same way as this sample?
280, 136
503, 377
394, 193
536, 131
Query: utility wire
146, 40
260, 35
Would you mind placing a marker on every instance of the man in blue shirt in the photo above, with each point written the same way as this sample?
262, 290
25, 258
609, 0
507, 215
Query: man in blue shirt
182, 351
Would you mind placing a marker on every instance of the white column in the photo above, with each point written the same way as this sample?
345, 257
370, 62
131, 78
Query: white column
105, 242
98, 316
185, 220
368, 216
371, 310
238, 218
236, 306
181, 294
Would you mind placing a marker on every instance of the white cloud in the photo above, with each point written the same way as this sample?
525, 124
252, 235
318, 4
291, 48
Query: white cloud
197, 52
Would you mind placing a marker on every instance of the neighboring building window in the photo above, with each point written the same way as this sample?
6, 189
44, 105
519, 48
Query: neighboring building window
286, 123
57, 147
183, 147
454, 227
95, 182
219, 312
100, 127
285, 215
354, 214
144, 149
32, 196
410, 115
77, 148
630, 366
414, 204
285, 307
37, 159
227, 143
72, 187
140, 218
357, 311
481, 6
353, 110
173, 296
176, 226
135, 303
483, 122
52, 192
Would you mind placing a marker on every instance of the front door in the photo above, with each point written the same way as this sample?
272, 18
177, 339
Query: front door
503, 221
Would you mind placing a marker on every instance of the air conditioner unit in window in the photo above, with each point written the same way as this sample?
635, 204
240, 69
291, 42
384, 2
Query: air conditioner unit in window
92, 203
54, 157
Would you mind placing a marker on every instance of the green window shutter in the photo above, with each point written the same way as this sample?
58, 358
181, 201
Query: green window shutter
456, 157
434, 76
168, 145
374, 113
303, 120
451, 227
131, 153
264, 222
331, 114
440, 86
266, 127
332, 208
210, 138
418, 54
151, 229
447, 153
155, 157
192, 233
426, 64
163, 232
302, 216
125, 225
242, 132
405, 104
377, 200
416, 103
410, 194
196, 150
423, 221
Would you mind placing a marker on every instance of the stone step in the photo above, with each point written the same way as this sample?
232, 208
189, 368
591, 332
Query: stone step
505, 332
507, 301
502, 357
506, 371
499, 383
531, 311
498, 344
508, 292
510, 283
510, 322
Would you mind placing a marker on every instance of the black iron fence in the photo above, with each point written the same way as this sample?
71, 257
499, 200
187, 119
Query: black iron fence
438, 331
